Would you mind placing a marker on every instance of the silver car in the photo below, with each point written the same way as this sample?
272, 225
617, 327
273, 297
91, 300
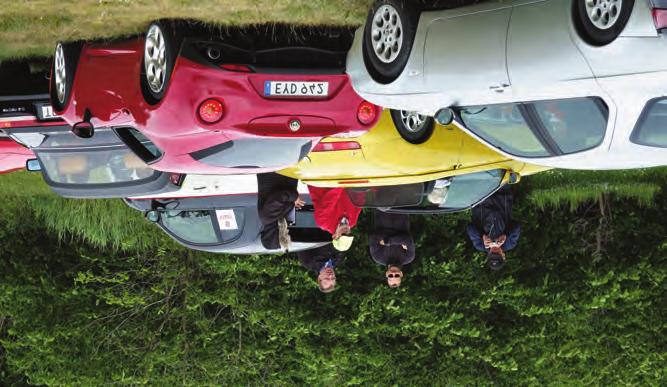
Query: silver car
563, 83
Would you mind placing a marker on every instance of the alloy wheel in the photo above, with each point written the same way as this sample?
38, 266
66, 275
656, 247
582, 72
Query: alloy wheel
604, 13
60, 73
155, 59
387, 33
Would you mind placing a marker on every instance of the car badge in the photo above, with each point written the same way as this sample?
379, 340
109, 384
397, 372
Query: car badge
294, 125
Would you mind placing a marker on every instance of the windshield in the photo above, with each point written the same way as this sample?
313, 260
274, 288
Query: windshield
255, 153
651, 129
504, 127
442, 195
387, 196
204, 227
102, 159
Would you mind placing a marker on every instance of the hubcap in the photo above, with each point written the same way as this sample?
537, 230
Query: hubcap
413, 121
387, 33
604, 13
155, 62
60, 73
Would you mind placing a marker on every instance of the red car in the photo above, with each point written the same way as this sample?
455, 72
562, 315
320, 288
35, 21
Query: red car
13, 156
211, 103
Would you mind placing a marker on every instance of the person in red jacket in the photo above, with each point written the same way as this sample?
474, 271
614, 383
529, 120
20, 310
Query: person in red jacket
335, 213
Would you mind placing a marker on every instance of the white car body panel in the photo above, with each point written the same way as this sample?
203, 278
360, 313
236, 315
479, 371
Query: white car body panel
545, 60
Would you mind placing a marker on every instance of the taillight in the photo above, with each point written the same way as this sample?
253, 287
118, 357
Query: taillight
237, 68
366, 113
336, 146
211, 111
176, 179
659, 18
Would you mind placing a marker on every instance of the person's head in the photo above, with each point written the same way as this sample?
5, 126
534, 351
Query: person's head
284, 238
394, 274
327, 280
342, 229
495, 260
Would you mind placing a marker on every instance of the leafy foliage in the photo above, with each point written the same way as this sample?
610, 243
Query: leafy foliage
568, 308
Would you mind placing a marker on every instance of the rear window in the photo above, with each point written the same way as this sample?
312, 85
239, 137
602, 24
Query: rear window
204, 227
651, 130
387, 196
255, 153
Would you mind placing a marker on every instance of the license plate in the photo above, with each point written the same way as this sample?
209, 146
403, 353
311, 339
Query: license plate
46, 112
296, 89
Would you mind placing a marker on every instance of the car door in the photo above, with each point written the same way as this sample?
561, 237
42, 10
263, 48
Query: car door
465, 52
542, 57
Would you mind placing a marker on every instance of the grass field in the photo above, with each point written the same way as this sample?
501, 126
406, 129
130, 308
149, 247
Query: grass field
32, 27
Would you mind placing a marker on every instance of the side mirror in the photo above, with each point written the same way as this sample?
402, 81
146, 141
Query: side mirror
83, 129
153, 216
33, 165
514, 178
444, 116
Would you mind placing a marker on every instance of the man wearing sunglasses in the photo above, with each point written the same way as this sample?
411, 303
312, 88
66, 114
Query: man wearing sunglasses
323, 261
492, 230
391, 244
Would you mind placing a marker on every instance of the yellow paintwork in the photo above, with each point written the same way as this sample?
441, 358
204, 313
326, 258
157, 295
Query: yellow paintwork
385, 158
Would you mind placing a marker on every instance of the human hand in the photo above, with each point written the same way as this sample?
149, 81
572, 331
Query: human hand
299, 203
405, 247
382, 242
501, 240
487, 241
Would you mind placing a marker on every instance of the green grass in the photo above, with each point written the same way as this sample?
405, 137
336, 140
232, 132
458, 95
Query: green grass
104, 223
29, 28
574, 188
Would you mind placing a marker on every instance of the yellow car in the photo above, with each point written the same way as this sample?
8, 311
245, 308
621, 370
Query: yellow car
409, 161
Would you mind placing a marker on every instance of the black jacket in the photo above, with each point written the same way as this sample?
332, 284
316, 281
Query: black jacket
275, 200
394, 230
493, 217
314, 259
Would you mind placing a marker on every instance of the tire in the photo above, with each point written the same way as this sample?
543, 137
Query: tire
400, 33
414, 128
604, 30
155, 77
65, 61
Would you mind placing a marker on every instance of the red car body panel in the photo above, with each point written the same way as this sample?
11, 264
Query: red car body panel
13, 156
107, 83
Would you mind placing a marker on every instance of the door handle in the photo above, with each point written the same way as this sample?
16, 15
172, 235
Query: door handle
499, 88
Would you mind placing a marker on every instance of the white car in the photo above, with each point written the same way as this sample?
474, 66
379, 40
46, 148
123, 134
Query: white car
575, 84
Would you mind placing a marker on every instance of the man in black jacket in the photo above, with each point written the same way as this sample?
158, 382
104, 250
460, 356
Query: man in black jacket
391, 244
276, 199
322, 260
492, 230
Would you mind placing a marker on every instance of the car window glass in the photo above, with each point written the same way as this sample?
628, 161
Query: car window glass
504, 127
386, 196
67, 139
190, 226
230, 223
255, 153
651, 129
466, 190
574, 124
95, 166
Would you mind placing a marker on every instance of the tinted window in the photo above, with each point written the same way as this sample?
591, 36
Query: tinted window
255, 153
466, 190
651, 129
505, 128
191, 226
574, 124
387, 196
204, 226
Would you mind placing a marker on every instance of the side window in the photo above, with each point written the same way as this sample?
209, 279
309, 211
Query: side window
574, 124
504, 127
651, 130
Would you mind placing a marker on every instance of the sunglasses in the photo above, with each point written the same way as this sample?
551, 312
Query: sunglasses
395, 275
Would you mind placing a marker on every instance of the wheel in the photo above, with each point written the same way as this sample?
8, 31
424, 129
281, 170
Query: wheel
160, 50
413, 127
65, 61
599, 22
388, 37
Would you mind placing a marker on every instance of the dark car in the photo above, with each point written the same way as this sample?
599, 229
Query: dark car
226, 224
98, 167
451, 194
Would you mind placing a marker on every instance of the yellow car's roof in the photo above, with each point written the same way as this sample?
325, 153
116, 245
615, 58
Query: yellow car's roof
385, 158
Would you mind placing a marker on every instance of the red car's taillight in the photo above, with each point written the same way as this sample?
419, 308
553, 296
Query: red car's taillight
211, 111
366, 113
659, 18
336, 146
